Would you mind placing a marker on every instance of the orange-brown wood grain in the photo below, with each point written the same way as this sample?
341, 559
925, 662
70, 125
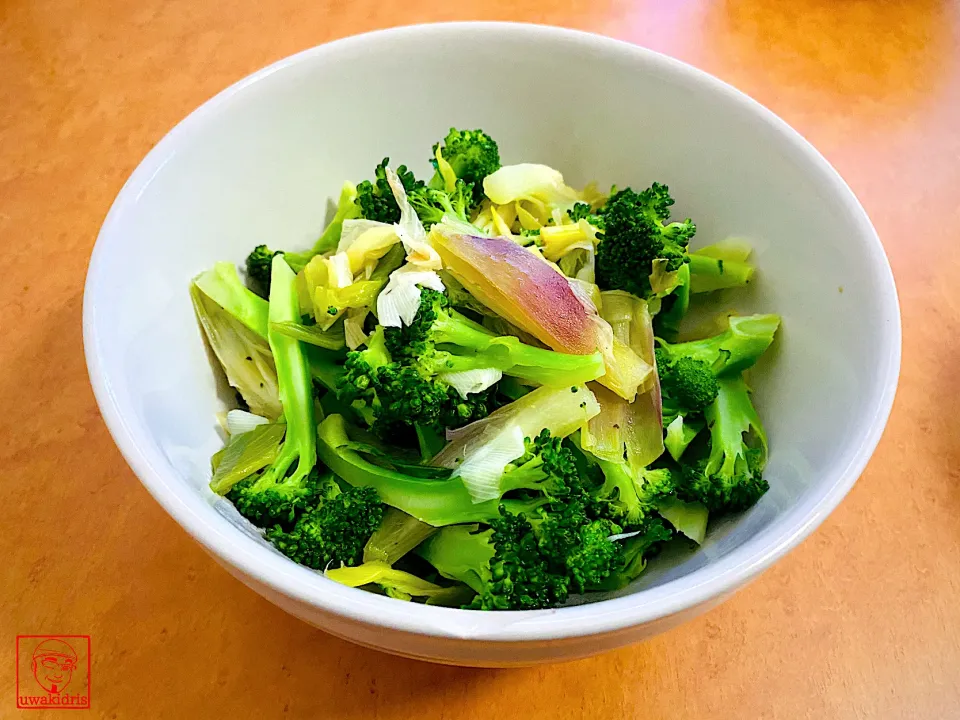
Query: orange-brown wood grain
862, 621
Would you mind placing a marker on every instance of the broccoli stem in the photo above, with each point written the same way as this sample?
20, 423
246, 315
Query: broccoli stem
619, 483
324, 366
435, 502
430, 441
293, 373
461, 553
708, 274
731, 417
547, 367
397, 535
453, 328
733, 350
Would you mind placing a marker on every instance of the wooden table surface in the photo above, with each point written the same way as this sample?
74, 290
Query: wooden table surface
862, 621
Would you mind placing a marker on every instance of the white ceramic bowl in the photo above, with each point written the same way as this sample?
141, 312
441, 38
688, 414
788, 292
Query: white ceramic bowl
258, 162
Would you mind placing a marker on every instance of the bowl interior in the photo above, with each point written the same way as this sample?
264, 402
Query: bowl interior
260, 163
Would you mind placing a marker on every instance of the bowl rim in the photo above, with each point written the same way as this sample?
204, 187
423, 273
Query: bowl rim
714, 581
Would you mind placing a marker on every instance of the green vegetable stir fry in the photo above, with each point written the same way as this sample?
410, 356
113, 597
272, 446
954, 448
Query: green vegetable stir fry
476, 390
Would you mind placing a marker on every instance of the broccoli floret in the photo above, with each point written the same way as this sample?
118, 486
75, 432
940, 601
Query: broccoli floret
411, 391
521, 576
583, 211
629, 497
730, 476
730, 352
393, 395
687, 385
634, 235
375, 199
473, 346
356, 380
335, 531
412, 395
561, 546
547, 466
523, 563
576, 545
432, 204
633, 556
266, 503
258, 269
472, 154
435, 323
545, 541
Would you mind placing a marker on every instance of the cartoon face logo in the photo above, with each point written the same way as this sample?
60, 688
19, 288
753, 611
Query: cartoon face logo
53, 664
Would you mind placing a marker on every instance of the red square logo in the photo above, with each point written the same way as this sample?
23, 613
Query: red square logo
53, 672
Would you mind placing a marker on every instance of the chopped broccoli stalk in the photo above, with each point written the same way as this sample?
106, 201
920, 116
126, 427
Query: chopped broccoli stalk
733, 350
730, 476
634, 235
326, 367
681, 431
375, 199
244, 455
688, 518
430, 440
296, 384
462, 553
397, 584
397, 535
716, 273
335, 531
435, 501
471, 154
